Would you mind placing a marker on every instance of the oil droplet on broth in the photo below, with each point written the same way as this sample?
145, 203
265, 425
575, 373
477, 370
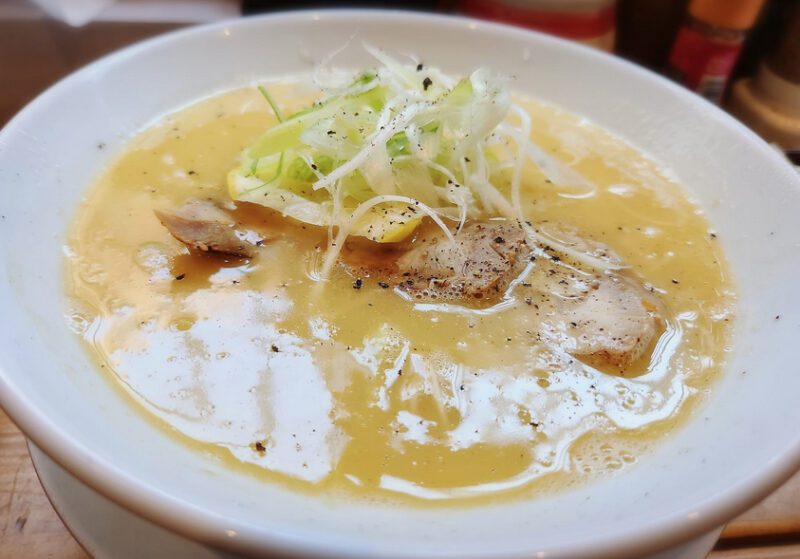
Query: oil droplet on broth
182, 323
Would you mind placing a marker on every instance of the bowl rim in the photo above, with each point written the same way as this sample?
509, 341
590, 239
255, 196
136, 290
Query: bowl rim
206, 526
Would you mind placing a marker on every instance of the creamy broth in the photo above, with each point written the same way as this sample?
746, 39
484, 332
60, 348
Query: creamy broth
327, 386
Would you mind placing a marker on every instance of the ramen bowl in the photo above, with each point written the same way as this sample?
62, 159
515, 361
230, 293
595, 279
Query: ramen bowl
740, 445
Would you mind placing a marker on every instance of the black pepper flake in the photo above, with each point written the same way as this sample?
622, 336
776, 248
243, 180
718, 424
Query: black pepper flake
499, 240
358, 283
713, 235
260, 447
313, 166
179, 277
426, 83
101, 145
383, 285
777, 317
528, 300
274, 348
331, 132
192, 172
419, 67
676, 282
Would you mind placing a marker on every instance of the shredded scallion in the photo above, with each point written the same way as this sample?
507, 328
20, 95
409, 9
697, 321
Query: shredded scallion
391, 138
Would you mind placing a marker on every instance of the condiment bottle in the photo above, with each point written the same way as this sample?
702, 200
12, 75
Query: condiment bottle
591, 22
646, 30
708, 45
769, 103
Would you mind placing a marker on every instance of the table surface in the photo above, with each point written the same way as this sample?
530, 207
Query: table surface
770, 530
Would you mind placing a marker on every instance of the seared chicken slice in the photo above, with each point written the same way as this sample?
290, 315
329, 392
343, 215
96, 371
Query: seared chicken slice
614, 323
601, 318
203, 226
479, 264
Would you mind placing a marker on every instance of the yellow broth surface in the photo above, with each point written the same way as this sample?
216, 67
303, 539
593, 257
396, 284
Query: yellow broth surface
327, 387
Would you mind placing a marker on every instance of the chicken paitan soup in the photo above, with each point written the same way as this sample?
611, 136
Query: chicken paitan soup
400, 285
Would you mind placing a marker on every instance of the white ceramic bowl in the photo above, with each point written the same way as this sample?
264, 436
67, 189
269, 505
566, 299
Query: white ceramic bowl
740, 446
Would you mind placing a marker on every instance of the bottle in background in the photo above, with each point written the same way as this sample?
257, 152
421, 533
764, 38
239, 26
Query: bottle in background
646, 30
591, 22
709, 42
769, 103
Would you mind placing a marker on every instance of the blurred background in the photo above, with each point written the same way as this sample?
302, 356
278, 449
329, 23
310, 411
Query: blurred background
741, 54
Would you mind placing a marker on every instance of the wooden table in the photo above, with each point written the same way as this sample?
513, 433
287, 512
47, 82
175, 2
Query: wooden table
30, 528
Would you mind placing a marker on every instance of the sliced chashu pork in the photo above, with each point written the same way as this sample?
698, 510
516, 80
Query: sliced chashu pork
602, 318
202, 226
